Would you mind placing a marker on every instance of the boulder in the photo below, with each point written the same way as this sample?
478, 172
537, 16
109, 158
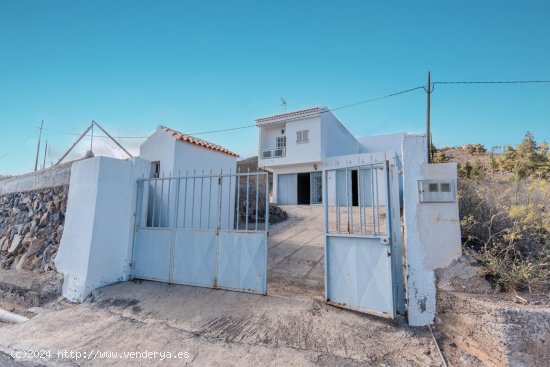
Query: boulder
15, 244
35, 247
4, 244
44, 219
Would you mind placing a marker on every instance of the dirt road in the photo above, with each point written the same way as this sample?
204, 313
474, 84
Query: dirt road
216, 327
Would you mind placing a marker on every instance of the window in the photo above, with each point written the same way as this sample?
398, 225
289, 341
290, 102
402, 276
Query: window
280, 142
302, 136
445, 187
155, 169
433, 187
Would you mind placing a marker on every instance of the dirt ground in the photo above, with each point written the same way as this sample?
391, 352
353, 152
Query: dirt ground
289, 327
218, 327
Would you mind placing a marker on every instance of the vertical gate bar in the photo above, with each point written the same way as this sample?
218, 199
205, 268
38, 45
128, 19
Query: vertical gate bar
257, 201
347, 199
218, 227
230, 196
169, 217
324, 187
247, 196
266, 203
360, 199
185, 198
209, 199
372, 199
238, 206
352, 230
193, 201
201, 201
154, 203
177, 209
220, 201
377, 204
161, 200
337, 200
139, 205
138, 217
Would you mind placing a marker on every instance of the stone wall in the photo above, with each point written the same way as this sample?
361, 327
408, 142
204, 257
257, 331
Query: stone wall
31, 225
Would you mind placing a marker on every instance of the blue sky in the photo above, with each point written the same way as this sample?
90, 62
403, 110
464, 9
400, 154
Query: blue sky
208, 65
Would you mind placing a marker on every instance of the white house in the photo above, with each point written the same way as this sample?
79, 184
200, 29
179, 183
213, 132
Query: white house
176, 154
195, 161
297, 146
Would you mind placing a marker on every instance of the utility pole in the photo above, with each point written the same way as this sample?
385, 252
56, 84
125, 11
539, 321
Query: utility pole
428, 131
45, 153
38, 147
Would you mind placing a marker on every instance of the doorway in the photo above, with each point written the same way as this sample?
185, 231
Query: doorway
304, 188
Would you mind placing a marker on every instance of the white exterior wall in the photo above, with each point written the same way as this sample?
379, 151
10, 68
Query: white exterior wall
337, 140
432, 230
192, 160
382, 143
268, 135
160, 146
296, 153
96, 247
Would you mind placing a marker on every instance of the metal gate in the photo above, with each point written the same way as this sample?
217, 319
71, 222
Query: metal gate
363, 255
205, 230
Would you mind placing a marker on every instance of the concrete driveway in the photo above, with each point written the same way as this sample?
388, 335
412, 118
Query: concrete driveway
215, 328
295, 265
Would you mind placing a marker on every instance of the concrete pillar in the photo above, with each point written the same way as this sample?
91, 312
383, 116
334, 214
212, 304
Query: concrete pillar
432, 230
96, 247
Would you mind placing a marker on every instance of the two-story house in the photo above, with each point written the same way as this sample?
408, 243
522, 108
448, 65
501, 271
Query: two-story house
294, 146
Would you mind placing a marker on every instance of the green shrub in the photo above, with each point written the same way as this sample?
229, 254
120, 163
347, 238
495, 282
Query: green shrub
506, 225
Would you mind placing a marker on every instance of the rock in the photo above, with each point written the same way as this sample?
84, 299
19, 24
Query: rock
15, 244
44, 219
35, 247
4, 244
19, 264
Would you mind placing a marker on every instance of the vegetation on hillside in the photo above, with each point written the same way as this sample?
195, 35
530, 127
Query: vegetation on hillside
505, 211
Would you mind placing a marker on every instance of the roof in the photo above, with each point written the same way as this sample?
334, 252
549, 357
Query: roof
184, 138
310, 112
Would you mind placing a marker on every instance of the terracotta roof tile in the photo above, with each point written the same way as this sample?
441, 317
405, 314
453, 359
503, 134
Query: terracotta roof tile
192, 140
295, 114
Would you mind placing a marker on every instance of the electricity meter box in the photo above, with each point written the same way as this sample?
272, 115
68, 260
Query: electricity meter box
437, 191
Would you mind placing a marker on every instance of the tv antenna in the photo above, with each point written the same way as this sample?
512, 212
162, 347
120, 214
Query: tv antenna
283, 103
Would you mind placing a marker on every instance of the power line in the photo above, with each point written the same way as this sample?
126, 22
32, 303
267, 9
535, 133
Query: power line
334, 109
254, 125
494, 82
18, 145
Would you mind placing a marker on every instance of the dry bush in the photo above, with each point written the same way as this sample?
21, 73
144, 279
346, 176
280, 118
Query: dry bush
506, 225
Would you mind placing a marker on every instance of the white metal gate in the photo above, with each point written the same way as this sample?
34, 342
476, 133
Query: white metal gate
207, 231
363, 255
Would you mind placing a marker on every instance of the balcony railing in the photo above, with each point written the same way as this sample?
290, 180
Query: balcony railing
272, 153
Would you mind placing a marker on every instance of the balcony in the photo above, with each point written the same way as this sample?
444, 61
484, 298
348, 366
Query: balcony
273, 153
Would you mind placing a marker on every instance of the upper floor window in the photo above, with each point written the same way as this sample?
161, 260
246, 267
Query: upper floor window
302, 136
280, 142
